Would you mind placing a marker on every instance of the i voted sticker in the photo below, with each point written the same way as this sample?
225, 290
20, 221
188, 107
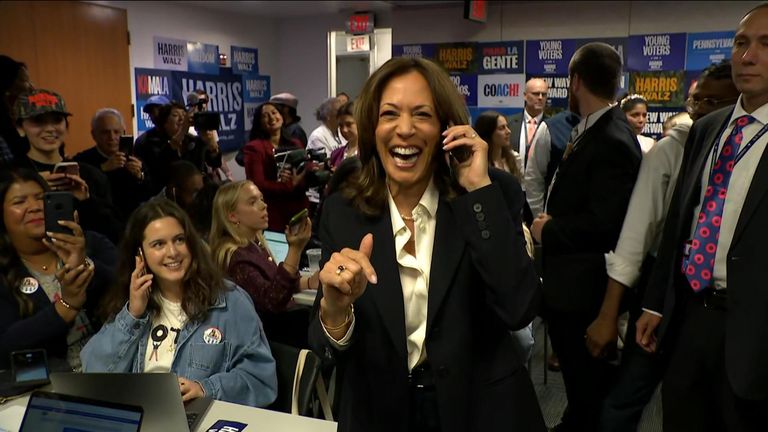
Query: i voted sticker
29, 285
212, 336
227, 426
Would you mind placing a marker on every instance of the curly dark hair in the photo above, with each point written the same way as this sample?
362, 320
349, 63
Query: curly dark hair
258, 131
11, 266
202, 284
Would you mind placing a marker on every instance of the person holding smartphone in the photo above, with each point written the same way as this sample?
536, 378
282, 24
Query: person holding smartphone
170, 310
50, 283
113, 156
42, 119
424, 270
283, 186
239, 248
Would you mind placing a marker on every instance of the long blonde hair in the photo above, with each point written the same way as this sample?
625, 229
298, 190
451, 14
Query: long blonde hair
226, 237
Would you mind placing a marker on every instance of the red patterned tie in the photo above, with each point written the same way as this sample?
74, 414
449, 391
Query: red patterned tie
700, 263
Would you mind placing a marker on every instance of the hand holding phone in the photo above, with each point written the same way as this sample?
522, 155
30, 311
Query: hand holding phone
125, 145
141, 287
58, 206
470, 153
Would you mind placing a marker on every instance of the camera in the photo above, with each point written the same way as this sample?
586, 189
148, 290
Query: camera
206, 121
299, 158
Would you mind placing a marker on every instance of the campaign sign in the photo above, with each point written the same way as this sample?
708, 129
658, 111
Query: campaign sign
474, 112
500, 57
661, 89
226, 97
244, 61
227, 426
170, 54
202, 58
257, 90
149, 82
414, 51
619, 44
500, 90
707, 48
657, 52
654, 128
549, 57
467, 87
558, 89
457, 57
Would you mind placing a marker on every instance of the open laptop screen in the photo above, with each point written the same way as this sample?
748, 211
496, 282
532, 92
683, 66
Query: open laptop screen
52, 412
277, 244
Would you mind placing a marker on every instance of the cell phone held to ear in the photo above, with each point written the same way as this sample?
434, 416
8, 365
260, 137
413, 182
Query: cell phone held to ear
298, 218
58, 206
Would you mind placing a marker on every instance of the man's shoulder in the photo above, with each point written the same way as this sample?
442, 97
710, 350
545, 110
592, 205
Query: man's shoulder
89, 156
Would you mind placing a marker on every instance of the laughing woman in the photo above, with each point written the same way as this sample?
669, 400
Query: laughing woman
171, 311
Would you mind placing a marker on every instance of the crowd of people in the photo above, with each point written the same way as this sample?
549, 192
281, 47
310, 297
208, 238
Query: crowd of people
649, 256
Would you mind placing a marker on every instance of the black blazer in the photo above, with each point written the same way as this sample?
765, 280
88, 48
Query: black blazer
746, 337
482, 285
588, 202
45, 328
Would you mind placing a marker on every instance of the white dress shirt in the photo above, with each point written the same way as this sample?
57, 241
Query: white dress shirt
646, 143
323, 138
523, 148
741, 179
414, 271
647, 210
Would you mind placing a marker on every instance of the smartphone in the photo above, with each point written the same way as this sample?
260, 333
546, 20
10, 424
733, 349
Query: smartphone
29, 367
298, 218
58, 206
126, 145
143, 261
71, 168
461, 154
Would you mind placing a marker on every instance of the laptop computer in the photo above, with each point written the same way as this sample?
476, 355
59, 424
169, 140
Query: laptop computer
157, 393
52, 412
277, 244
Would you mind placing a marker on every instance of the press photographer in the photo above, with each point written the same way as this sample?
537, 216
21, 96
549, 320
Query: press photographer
206, 124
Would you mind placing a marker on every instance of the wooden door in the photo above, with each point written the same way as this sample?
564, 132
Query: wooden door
79, 50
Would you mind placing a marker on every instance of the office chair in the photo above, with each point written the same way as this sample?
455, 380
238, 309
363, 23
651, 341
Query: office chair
299, 390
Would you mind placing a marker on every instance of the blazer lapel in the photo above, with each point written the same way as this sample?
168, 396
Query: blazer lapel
388, 292
757, 190
446, 254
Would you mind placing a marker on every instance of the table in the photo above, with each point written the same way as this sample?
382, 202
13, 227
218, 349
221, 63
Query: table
12, 412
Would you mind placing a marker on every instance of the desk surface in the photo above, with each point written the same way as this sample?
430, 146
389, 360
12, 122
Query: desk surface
12, 412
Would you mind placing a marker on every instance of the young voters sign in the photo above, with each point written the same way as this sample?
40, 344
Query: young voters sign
149, 82
707, 48
656, 52
549, 57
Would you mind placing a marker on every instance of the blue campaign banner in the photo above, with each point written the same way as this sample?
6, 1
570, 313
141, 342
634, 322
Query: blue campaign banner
466, 84
227, 426
707, 48
558, 89
657, 52
549, 57
149, 82
654, 128
202, 58
415, 50
226, 97
619, 44
257, 90
244, 61
500, 57
474, 112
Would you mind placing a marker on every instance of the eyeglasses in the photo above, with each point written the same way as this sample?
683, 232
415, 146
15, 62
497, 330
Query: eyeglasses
538, 94
692, 103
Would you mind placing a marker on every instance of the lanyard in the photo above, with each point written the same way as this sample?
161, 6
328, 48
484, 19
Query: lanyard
742, 150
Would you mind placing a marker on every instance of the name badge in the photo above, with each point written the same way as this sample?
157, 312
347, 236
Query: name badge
29, 285
212, 336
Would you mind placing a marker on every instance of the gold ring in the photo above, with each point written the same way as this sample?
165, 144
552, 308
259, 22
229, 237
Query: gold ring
340, 269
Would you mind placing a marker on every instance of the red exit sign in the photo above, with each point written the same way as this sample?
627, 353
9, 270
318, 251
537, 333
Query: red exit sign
360, 24
476, 10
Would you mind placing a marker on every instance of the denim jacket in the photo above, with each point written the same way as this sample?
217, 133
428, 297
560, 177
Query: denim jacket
239, 369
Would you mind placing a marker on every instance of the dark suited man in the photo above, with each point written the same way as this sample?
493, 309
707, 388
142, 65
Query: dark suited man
709, 281
583, 218
523, 125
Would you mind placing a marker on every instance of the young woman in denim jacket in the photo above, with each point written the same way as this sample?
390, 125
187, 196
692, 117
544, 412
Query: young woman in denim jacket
179, 315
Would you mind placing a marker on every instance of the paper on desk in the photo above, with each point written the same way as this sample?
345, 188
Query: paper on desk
11, 417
